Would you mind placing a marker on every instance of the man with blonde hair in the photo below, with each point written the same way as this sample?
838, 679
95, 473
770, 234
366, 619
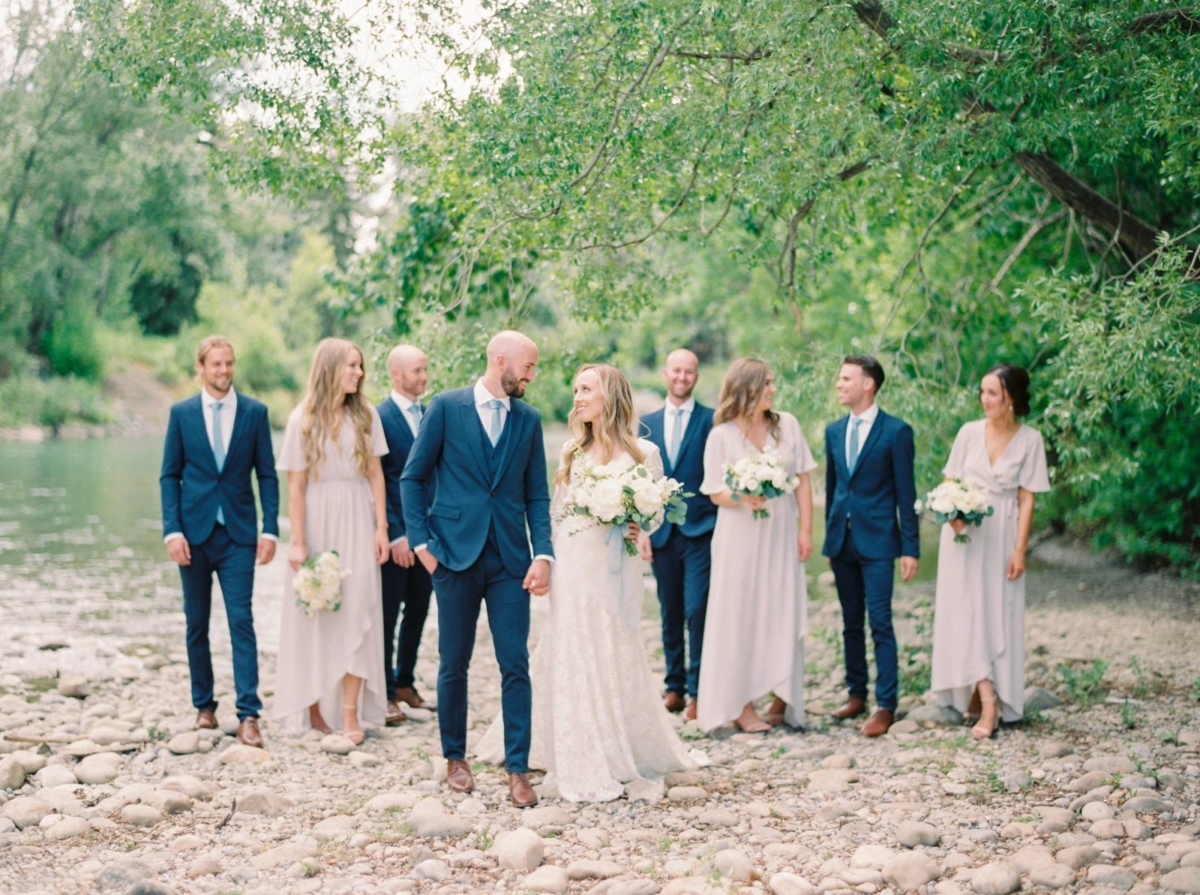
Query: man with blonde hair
215, 440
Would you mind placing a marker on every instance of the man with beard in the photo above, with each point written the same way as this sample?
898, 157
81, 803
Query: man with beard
680, 553
215, 440
483, 447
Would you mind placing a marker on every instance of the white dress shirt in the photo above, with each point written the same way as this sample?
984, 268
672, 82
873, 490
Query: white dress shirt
228, 414
864, 428
482, 398
684, 411
404, 404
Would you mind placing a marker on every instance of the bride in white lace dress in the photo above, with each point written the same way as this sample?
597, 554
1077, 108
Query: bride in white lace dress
598, 723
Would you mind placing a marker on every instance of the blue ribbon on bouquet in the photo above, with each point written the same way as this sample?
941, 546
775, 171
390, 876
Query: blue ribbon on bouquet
625, 604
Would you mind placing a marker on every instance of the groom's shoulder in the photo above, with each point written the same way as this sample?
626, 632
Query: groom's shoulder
252, 405
454, 396
840, 421
655, 416
186, 404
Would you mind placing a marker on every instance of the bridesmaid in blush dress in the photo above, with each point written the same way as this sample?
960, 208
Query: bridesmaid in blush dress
979, 617
333, 661
758, 598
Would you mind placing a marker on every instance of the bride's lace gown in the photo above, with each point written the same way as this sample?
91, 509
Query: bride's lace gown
598, 722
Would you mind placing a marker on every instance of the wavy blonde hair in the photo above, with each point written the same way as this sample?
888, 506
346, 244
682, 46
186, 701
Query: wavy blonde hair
616, 428
325, 405
743, 386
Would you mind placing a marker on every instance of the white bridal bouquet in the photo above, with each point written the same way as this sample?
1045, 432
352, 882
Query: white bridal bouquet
318, 583
763, 475
958, 500
618, 496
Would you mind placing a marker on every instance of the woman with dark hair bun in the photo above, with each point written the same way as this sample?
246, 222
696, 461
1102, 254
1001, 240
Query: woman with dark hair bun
979, 620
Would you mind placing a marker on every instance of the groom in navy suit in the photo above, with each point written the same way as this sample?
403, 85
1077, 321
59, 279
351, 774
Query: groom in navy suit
214, 441
680, 554
870, 520
405, 581
483, 447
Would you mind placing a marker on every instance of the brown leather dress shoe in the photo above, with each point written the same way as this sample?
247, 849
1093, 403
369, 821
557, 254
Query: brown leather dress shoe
410, 697
458, 775
879, 722
249, 734
689, 714
521, 791
206, 719
851, 708
395, 715
674, 702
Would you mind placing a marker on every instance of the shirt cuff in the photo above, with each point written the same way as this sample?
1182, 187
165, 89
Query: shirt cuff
398, 540
546, 557
268, 537
172, 536
420, 547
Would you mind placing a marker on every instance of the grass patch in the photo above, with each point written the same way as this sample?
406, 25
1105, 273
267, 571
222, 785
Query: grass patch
42, 683
1085, 685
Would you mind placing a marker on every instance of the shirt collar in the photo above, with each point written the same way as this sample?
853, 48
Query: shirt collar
229, 401
402, 402
687, 406
483, 396
868, 415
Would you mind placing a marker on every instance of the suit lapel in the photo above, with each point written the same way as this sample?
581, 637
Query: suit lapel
838, 432
689, 433
469, 420
205, 451
516, 429
392, 411
872, 439
239, 426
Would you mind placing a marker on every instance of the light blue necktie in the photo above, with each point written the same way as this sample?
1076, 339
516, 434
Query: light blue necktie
853, 458
676, 435
497, 423
417, 412
218, 451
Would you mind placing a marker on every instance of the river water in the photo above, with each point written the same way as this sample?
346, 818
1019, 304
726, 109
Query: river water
82, 561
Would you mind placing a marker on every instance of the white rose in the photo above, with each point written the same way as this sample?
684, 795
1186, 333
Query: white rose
648, 502
942, 505
780, 479
608, 500
751, 484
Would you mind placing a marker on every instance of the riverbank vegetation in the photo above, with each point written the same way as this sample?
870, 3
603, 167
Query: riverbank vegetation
945, 186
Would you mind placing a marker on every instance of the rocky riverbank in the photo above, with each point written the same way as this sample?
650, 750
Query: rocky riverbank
104, 786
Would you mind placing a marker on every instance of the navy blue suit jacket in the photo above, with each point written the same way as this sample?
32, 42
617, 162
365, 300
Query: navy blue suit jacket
469, 502
688, 468
400, 441
192, 488
879, 497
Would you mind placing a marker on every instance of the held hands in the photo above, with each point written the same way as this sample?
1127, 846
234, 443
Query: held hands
645, 550
908, 568
266, 551
383, 549
753, 502
635, 532
958, 525
180, 551
804, 546
537, 579
297, 554
1016, 565
401, 555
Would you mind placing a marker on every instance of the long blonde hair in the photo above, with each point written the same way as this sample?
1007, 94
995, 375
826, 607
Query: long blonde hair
325, 405
743, 386
616, 427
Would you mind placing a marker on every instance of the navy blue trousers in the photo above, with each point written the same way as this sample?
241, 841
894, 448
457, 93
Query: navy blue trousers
682, 569
234, 568
459, 598
411, 588
864, 588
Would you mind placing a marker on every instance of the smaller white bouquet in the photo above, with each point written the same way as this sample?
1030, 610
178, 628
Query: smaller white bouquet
958, 499
617, 496
761, 475
318, 583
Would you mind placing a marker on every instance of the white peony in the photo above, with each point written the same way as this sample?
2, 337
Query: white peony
940, 504
607, 500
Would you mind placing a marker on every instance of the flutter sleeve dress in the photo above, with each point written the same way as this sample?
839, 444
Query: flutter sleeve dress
979, 615
316, 652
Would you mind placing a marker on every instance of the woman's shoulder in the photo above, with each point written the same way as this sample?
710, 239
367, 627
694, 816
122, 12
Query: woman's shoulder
647, 447
1030, 434
973, 427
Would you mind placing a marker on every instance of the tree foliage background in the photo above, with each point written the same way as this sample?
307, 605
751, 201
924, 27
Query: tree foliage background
947, 185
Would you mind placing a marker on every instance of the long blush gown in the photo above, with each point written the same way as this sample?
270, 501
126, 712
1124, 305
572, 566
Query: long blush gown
979, 615
315, 653
758, 597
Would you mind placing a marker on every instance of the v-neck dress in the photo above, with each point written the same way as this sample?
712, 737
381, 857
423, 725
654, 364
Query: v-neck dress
757, 613
979, 616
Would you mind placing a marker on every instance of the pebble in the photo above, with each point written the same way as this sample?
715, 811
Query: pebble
585, 869
432, 869
337, 744
53, 775
913, 833
429, 818
1078, 856
519, 850
141, 815
1052, 876
733, 864
74, 686
1112, 877
996, 878
184, 743
910, 871
27, 811
791, 884
239, 754
265, 803
547, 879
102, 767
1185, 880
68, 828
12, 775
686, 793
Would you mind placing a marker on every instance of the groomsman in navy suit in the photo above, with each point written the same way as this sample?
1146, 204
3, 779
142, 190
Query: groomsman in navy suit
210, 524
405, 581
870, 520
680, 553
483, 447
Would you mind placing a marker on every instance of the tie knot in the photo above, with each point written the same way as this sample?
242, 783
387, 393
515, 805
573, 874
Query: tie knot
415, 409
217, 405
495, 404
857, 421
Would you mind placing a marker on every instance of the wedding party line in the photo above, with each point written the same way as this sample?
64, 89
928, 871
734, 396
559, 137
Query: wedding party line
411, 500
